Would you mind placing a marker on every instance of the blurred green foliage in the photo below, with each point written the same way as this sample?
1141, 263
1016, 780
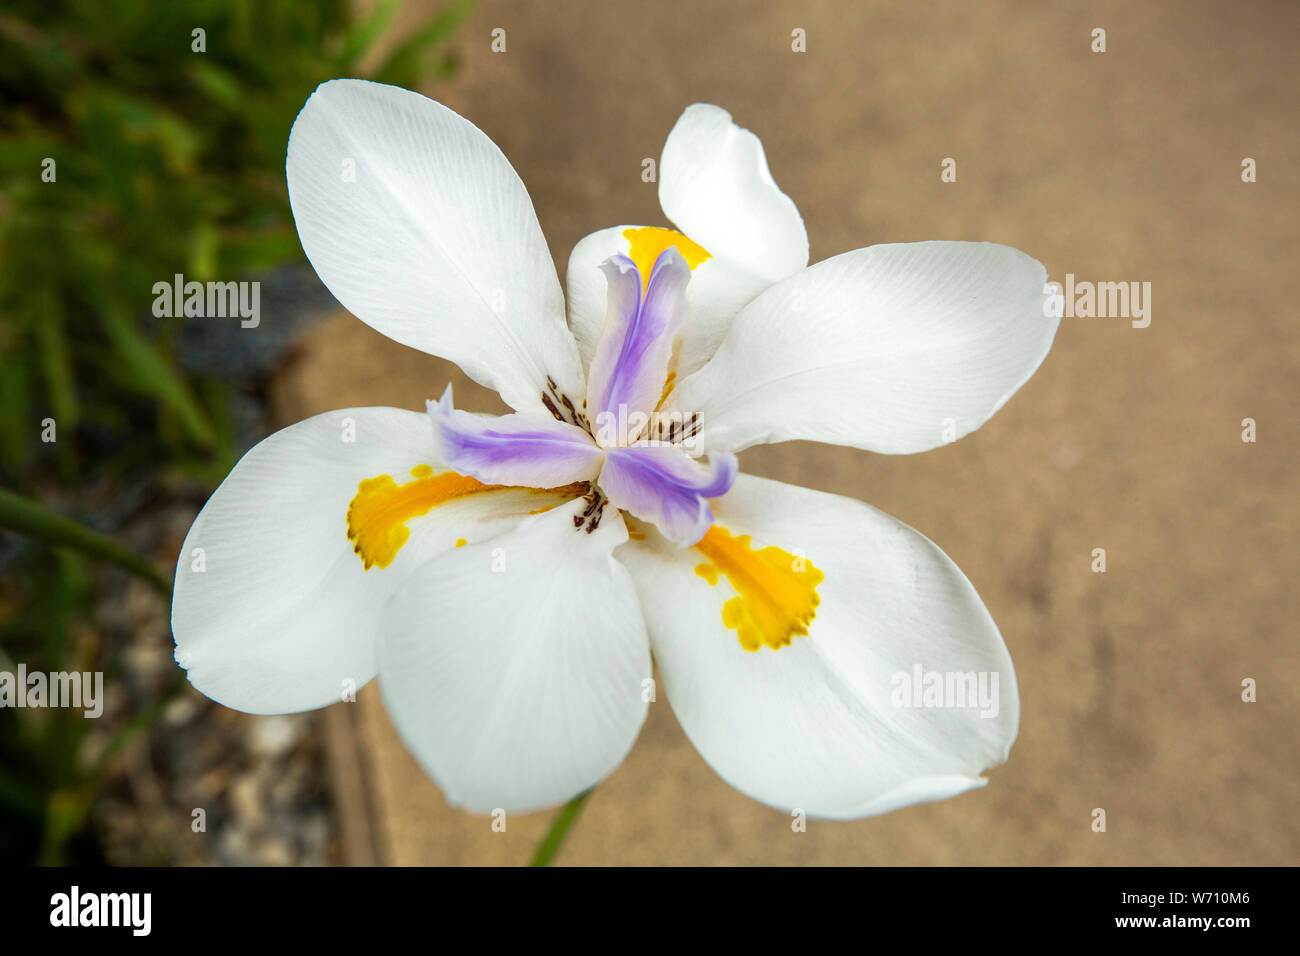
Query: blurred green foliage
133, 148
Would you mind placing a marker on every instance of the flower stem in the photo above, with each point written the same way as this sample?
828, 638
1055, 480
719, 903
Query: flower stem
554, 838
35, 520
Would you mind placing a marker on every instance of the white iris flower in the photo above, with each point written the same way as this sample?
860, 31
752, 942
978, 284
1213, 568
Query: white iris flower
506, 579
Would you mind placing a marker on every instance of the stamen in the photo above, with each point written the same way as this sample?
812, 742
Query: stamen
595, 510
550, 407
564, 411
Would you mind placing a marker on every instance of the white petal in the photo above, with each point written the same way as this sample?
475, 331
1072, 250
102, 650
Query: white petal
513, 668
587, 287
814, 725
283, 611
421, 228
893, 348
715, 185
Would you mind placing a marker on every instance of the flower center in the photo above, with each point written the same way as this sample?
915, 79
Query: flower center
616, 441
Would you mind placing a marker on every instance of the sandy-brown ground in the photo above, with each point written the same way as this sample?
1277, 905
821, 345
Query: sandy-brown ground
1116, 166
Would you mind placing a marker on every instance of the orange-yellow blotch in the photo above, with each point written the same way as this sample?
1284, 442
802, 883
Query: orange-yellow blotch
776, 592
647, 242
707, 571
461, 542
378, 514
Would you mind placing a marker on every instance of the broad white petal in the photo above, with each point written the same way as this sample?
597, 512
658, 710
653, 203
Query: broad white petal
893, 348
717, 289
272, 610
513, 669
421, 228
818, 724
715, 185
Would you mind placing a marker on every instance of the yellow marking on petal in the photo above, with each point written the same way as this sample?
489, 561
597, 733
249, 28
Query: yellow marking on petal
708, 572
647, 242
461, 542
379, 512
776, 592
669, 384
